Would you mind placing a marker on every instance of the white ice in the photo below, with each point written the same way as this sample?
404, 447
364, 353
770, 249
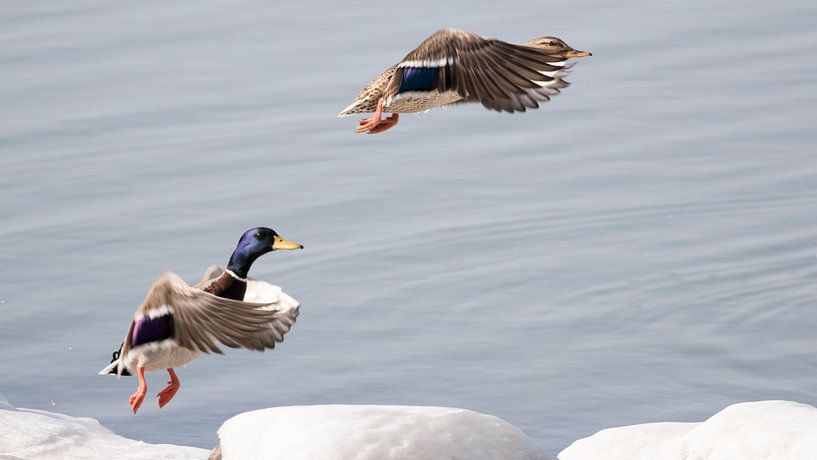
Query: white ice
767, 430
34, 434
373, 433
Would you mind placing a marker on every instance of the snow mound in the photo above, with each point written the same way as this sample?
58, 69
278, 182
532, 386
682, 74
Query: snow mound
29, 434
373, 433
767, 430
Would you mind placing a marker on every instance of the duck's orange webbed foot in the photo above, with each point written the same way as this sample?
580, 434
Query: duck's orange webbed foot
170, 391
137, 398
386, 124
368, 124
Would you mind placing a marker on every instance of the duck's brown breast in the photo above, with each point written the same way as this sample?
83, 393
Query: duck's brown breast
225, 286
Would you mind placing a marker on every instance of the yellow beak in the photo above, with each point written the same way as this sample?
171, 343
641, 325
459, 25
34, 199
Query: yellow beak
577, 54
280, 243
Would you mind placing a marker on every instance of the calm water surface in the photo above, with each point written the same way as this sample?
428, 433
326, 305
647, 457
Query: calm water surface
643, 248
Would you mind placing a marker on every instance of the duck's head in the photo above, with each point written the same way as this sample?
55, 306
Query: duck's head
557, 47
254, 243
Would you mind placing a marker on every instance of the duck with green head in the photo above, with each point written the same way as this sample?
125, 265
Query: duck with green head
453, 66
178, 322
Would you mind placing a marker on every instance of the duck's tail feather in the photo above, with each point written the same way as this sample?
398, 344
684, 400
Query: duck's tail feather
110, 368
113, 367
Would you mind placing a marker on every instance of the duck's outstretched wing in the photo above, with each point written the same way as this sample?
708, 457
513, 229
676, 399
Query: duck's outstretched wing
274, 299
197, 320
501, 76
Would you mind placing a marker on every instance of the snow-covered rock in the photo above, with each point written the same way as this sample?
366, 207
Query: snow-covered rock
373, 433
767, 430
34, 434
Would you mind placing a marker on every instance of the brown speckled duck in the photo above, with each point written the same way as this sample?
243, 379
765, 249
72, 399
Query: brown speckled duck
454, 66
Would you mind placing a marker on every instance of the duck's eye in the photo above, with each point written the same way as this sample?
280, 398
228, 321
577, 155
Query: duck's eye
553, 43
258, 235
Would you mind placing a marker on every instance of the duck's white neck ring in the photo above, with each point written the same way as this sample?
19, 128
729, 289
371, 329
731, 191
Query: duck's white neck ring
231, 273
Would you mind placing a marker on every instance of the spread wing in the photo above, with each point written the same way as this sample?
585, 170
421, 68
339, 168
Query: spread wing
274, 298
198, 320
501, 76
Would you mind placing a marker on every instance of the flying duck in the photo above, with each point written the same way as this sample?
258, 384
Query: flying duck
454, 66
177, 322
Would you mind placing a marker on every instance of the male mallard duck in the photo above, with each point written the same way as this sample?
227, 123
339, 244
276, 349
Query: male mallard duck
454, 66
177, 322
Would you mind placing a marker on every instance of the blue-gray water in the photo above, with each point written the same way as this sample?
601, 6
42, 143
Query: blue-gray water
642, 248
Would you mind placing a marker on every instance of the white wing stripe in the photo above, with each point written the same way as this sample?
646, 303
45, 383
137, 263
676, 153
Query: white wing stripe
427, 63
155, 313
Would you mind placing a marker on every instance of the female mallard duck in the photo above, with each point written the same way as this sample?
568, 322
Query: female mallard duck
177, 322
453, 66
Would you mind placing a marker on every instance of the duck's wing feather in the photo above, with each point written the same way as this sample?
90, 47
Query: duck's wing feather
278, 300
198, 320
212, 272
501, 76
274, 299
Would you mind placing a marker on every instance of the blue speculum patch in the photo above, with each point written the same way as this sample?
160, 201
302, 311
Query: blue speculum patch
419, 79
152, 330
